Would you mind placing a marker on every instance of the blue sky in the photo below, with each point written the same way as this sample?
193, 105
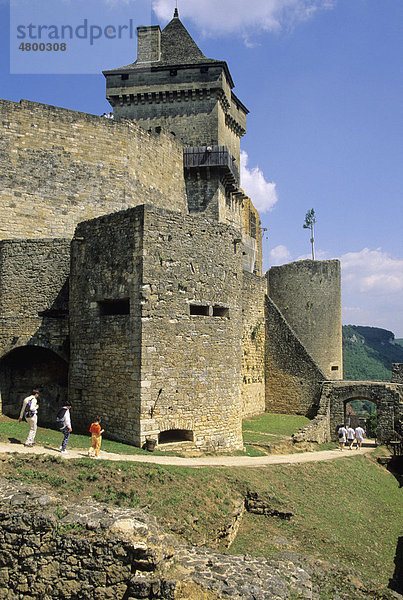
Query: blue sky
323, 81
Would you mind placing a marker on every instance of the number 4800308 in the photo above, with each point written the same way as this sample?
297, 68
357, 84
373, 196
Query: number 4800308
42, 47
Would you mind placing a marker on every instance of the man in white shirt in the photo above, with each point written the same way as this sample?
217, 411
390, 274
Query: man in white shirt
342, 433
29, 412
350, 437
359, 436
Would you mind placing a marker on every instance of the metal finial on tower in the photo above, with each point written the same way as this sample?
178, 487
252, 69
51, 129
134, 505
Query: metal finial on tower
176, 13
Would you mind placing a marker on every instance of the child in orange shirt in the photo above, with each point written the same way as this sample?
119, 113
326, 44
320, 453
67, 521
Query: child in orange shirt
96, 438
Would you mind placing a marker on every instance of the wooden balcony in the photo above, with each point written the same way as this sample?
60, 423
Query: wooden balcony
199, 157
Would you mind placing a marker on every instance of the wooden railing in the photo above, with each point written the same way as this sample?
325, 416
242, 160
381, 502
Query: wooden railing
211, 156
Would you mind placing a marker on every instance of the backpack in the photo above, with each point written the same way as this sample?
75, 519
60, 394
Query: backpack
60, 417
340, 434
28, 413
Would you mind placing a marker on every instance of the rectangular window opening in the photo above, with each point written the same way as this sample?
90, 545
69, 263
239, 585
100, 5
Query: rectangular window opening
114, 307
220, 311
124, 77
335, 368
198, 309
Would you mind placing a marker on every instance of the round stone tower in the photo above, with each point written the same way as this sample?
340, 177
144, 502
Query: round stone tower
308, 294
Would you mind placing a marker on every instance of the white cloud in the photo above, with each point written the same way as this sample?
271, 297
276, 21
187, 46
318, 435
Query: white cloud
373, 271
238, 16
279, 255
372, 288
262, 192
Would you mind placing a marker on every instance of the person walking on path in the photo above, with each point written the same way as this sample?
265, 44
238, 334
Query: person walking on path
359, 436
342, 433
350, 437
29, 412
63, 422
96, 438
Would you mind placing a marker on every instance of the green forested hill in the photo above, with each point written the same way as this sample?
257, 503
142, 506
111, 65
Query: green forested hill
368, 353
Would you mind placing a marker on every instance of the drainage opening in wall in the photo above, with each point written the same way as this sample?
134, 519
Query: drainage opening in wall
175, 435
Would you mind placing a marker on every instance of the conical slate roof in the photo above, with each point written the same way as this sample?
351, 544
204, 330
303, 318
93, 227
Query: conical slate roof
178, 46
177, 49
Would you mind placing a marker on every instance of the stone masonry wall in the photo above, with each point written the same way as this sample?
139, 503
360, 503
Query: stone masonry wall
61, 167
397, 372
386, 397
252, 234
106, 266
33, 322
158, 367
293, 380
51, 550
253, 344
191, 363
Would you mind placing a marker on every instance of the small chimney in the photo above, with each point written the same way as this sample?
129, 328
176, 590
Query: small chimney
148, 44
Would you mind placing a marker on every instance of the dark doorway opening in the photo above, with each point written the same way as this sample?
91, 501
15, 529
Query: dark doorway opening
175, 435
29, 367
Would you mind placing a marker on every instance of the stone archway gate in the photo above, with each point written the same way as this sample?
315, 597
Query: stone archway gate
388, 398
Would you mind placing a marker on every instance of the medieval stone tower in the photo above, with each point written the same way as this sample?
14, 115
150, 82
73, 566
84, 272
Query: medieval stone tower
308, 295
173, 86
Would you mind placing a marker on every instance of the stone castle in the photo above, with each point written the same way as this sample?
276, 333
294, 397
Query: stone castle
131, 277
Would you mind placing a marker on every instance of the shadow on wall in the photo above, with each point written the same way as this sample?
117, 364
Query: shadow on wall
33, 367
396, 583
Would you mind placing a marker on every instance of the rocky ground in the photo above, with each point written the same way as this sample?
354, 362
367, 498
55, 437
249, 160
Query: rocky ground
51, 549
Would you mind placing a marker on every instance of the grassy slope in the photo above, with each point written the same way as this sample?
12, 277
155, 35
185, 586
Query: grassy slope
335, 503
274, 424
346, 511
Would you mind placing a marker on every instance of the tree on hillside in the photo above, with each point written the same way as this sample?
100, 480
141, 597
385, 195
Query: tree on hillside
310, 221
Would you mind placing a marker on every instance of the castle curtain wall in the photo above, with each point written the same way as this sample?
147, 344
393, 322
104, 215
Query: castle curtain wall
60, 167
33, 317
105, 323
293, 379
191, 324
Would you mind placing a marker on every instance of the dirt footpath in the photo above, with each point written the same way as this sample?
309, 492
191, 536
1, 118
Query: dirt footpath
203, 461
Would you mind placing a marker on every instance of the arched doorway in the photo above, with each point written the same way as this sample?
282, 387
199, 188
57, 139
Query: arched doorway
30, 367
362, 412
384, 395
